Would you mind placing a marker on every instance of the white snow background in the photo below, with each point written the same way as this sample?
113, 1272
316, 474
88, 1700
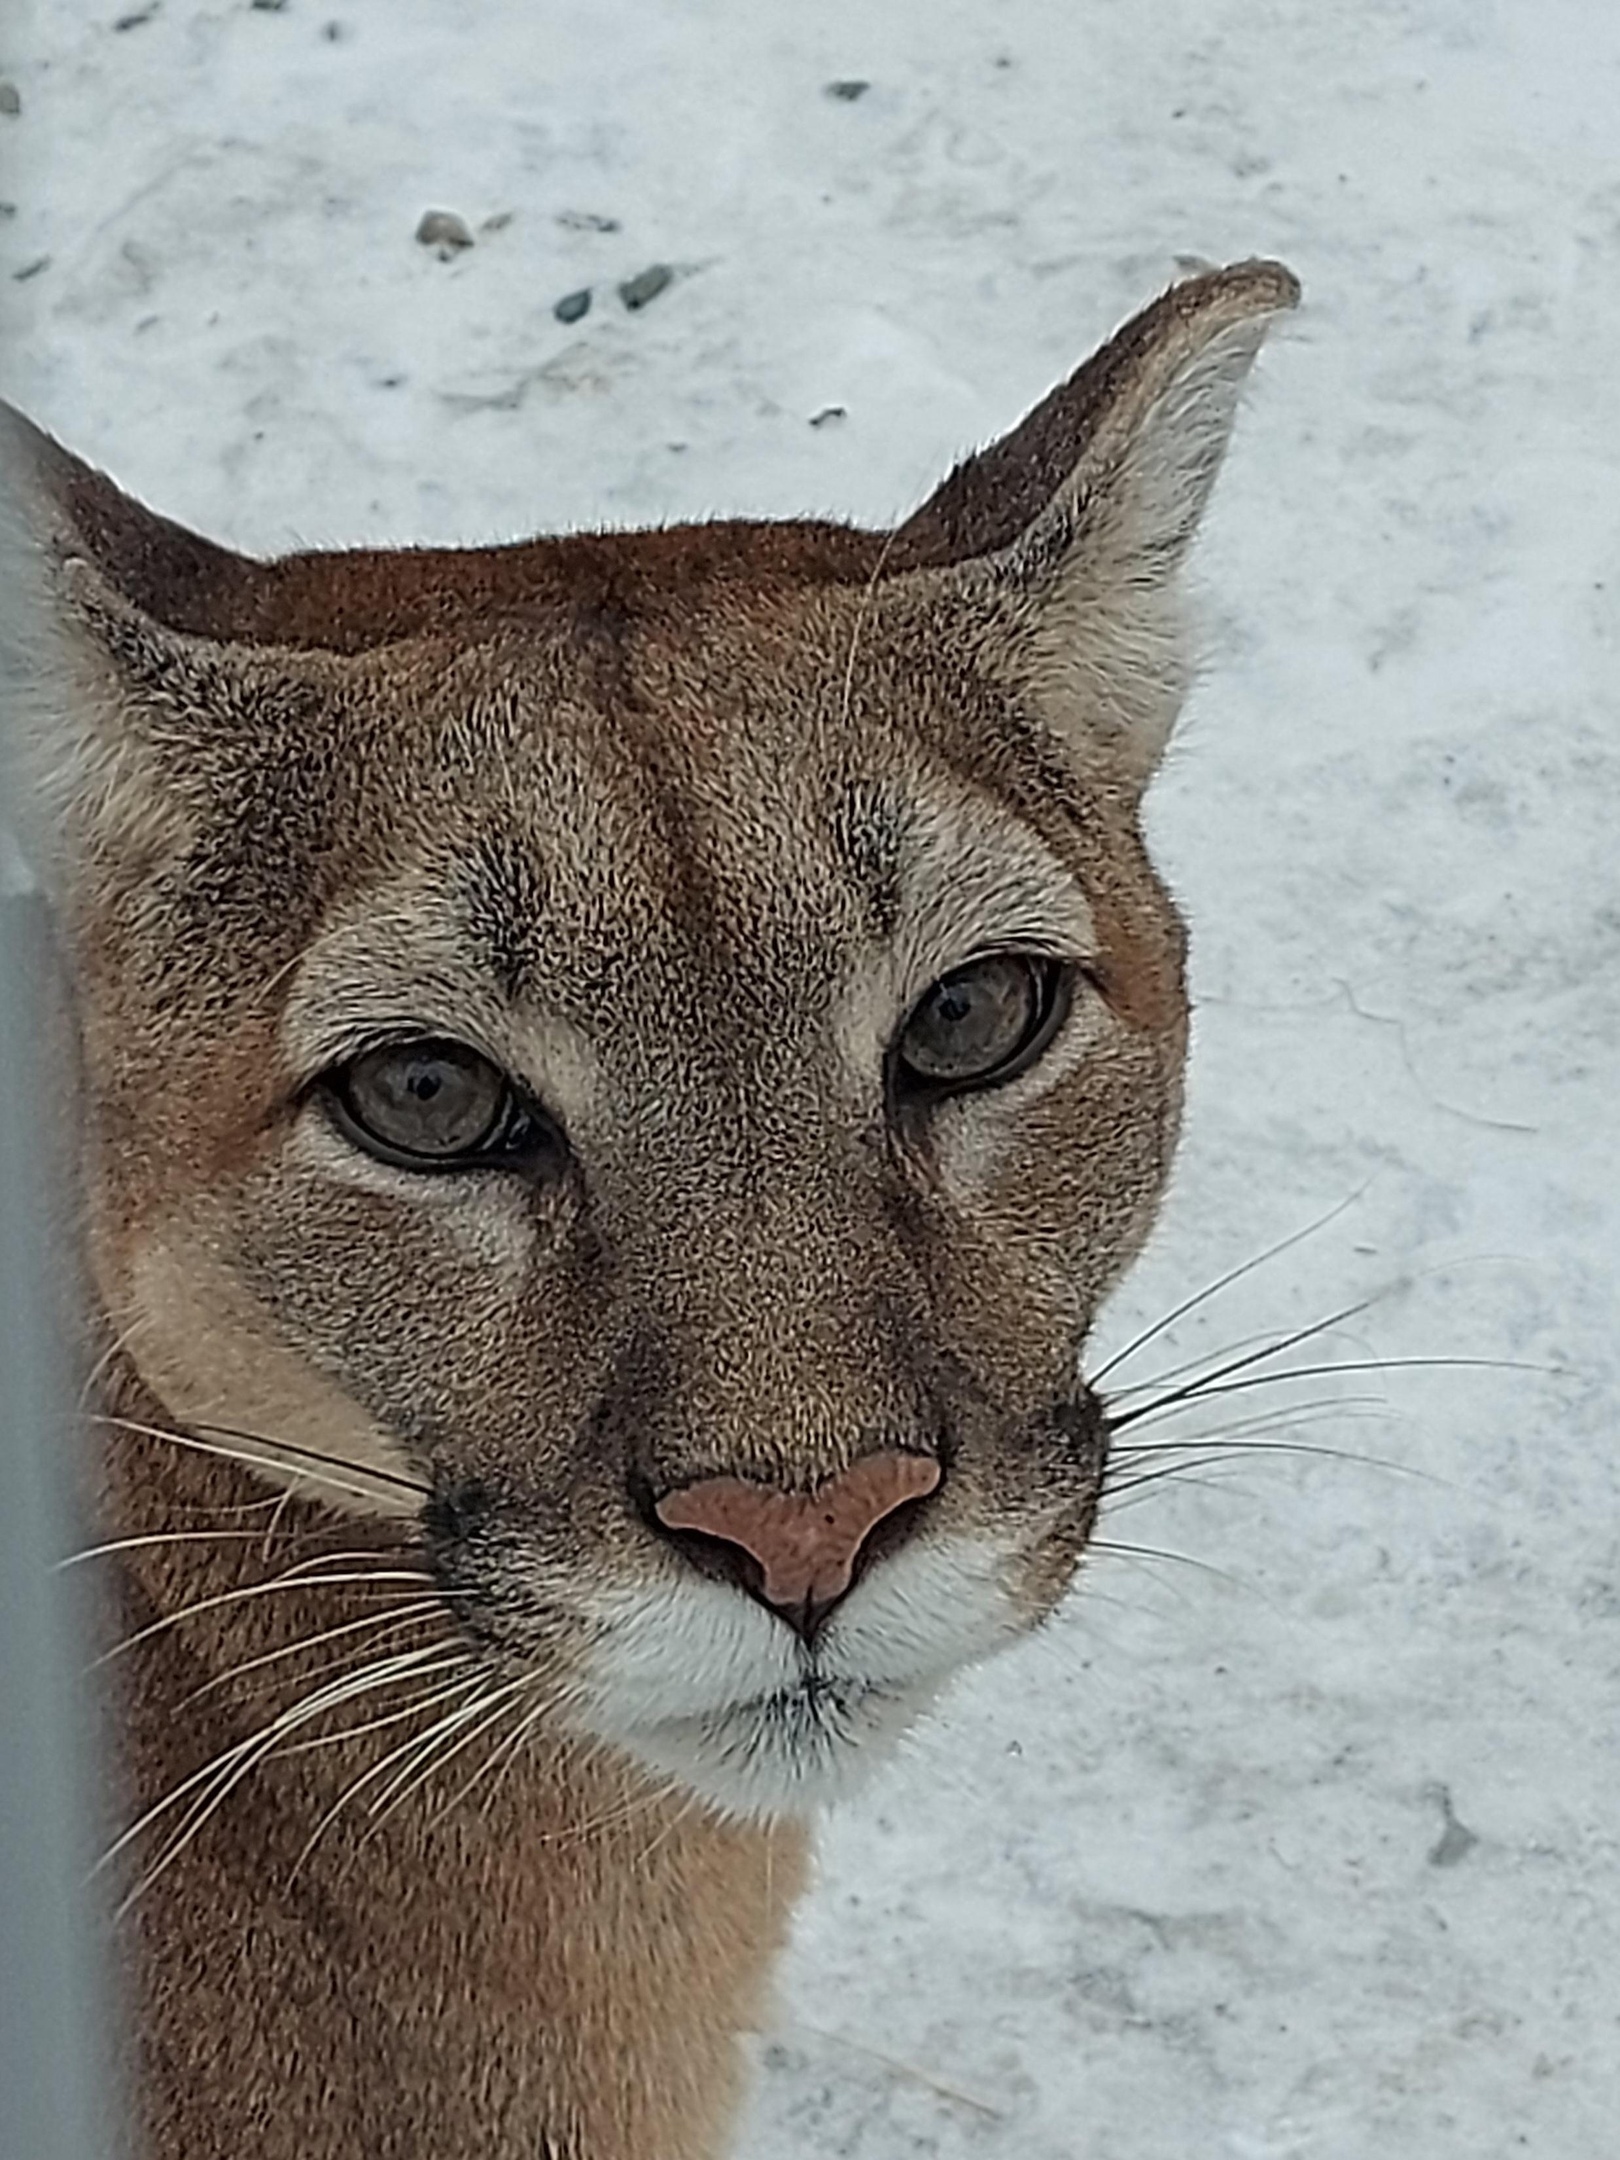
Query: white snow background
1312, 1857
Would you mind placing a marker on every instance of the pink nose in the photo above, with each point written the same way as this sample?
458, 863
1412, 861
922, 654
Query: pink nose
805, 1545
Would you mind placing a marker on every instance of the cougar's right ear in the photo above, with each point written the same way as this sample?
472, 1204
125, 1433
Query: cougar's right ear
1058, 549
106, 648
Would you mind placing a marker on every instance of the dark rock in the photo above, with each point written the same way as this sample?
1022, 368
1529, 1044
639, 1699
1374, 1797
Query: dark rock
586, 221
847, 92
573, 305
645, 285
10, 99
442, 229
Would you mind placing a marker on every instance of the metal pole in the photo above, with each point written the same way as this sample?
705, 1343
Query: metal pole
53, 2021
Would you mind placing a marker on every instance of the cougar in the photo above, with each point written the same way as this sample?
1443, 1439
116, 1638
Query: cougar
611, 1077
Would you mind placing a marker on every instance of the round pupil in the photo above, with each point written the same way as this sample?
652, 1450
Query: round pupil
427, 1099
972, 1021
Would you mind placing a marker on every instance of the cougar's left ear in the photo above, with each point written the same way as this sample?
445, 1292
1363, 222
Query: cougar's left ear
1060, 546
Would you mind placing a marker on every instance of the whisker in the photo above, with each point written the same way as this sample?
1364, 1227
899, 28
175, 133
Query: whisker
240, 1765
506, 1753
470, 1785
1222, 1282
1206, 1391
308, 1707
1274, 1348
158, 1537
385, 1622
294, 1580
349, 1485
353, 1790
438, 1750
1161, 1552
1276, 1418
306, 1454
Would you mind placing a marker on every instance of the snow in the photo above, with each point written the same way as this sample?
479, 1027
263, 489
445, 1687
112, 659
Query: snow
1308, 1852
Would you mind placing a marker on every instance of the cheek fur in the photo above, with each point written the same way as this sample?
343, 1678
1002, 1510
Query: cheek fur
215, 1359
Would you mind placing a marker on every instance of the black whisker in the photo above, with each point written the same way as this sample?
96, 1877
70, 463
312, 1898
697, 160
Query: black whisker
1261, 1356
1222, 1282
1204, 1392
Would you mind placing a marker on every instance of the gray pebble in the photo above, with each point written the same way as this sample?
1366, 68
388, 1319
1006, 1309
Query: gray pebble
828, 414
573, 305
10, 99
847, 92
443, 230
28, 270
268, 7
645, 285
586, 221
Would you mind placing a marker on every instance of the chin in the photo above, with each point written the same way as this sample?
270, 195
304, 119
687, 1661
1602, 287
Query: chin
786, 1754
701, 1686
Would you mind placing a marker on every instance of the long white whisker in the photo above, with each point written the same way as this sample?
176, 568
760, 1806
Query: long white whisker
439, 1751
309, 1706
156, 1537
359, 1784
244, 1763
385, 1622
281, 1583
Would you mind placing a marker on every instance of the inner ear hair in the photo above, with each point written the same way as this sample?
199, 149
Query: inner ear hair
1063, 542
108, 617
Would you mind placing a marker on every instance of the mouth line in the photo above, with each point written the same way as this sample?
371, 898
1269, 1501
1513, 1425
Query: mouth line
815, 1698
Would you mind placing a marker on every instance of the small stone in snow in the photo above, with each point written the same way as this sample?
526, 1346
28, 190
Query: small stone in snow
136, 16
586, 221
10, 99
828, 414
645, 285
28, 270
443, 230
573, 305
268, 7
847, 92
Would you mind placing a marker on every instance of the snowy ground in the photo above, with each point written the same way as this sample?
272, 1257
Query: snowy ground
1314, 1857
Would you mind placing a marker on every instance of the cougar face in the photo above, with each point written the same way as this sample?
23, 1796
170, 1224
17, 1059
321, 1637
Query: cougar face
648, 1050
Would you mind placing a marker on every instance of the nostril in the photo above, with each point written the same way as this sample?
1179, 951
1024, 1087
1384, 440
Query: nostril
796, 1552
717, 1557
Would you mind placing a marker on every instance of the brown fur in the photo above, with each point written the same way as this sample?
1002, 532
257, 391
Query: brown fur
678, 827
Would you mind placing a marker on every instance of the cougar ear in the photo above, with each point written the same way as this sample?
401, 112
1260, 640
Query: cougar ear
1065, 539
107, 617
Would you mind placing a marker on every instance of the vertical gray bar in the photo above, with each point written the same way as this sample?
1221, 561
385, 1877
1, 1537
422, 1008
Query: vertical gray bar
52, 1996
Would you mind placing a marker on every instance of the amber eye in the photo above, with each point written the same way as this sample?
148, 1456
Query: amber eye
982, 1023
431, 1105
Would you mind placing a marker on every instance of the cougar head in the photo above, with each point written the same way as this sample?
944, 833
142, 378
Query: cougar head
650, 1047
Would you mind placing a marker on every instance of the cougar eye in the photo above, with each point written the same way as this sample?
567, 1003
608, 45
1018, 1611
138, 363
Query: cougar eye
983, 1023
431, 1105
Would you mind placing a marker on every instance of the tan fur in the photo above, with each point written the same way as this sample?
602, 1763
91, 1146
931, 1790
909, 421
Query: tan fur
677, 827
